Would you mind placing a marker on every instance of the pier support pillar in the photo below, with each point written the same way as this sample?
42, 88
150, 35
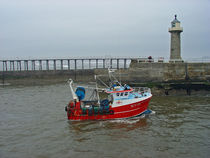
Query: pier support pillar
125, 63
89, 63
40, 65
4, 65
68, 64
33, 65
104, 63
111, 63
12, 66
54, 64
61, 64
75, 64
118, 63
82, 64
47, 65
26, 65
19, 65
96, 63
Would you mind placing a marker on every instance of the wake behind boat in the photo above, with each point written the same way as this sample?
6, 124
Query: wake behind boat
123, 101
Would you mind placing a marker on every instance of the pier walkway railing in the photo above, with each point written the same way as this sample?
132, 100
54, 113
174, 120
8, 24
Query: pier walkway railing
64, 64
80, 63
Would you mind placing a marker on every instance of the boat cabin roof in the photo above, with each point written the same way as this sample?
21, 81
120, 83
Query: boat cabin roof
119, 89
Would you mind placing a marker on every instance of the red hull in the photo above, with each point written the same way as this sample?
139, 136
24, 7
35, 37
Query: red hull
125, 111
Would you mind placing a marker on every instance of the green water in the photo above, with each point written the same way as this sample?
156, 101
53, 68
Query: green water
33, 124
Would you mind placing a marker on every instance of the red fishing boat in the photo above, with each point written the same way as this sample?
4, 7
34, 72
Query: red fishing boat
122, 101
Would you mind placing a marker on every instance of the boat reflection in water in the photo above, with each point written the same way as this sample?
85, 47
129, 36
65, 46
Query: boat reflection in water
117, 124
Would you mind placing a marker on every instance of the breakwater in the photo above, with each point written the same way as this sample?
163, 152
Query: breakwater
163, 78
169, 72
171, 78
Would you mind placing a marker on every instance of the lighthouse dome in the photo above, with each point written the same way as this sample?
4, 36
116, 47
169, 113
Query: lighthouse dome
174, 22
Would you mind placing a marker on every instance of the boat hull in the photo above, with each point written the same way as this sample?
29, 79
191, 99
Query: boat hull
125, 111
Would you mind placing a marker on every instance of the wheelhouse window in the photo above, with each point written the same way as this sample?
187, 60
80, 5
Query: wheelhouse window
121, 94
118, 94
126, 93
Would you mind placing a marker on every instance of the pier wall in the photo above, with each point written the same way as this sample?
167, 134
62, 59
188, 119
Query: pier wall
138, 72
168, 72
163, 78
45, 77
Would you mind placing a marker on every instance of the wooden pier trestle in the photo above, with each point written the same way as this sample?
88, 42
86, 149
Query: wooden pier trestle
64, 64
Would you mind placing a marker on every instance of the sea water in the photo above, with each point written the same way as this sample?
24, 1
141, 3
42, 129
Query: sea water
33, 124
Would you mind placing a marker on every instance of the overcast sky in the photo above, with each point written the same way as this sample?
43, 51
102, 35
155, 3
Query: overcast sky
73, 28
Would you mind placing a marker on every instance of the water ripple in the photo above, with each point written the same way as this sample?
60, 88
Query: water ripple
33, 124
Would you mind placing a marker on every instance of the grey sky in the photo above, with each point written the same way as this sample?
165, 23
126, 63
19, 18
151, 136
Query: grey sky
66, 28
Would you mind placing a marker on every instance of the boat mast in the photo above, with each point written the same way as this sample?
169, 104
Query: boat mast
97, 93
111, 75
